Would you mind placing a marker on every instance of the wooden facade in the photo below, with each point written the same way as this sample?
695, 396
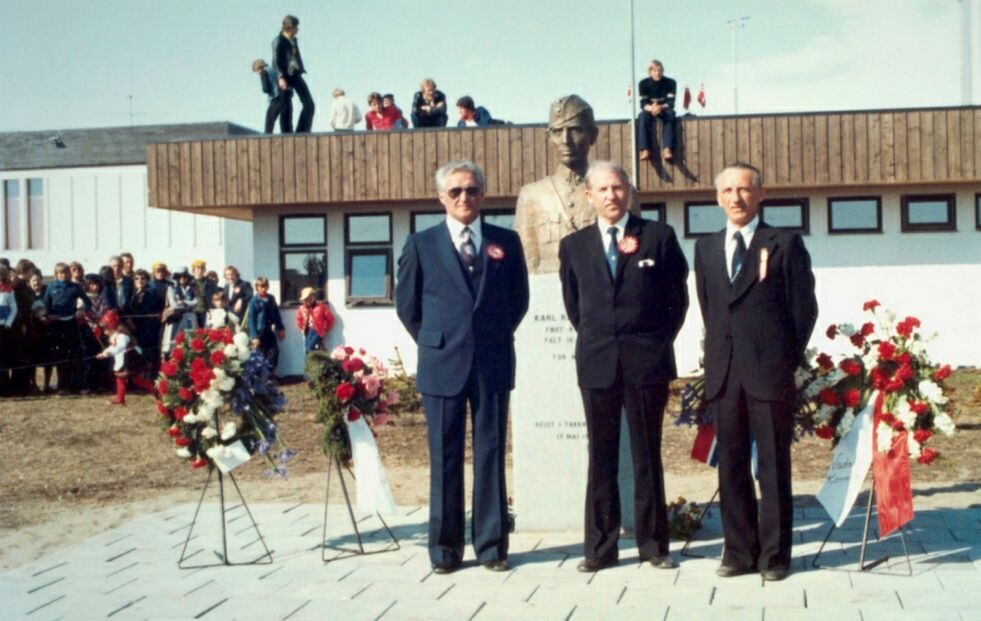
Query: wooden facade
231, 176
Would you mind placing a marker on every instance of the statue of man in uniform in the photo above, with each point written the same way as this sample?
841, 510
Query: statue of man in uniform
553, 207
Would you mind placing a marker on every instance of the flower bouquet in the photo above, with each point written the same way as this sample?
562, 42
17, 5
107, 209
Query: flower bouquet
218, 401
683, 519
890, 361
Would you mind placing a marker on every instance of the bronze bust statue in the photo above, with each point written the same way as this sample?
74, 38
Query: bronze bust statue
553, 207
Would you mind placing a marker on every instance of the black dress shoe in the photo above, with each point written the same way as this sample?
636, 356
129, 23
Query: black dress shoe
498, 565
664, 561
726, 571
774, 574
445, 568
589, 566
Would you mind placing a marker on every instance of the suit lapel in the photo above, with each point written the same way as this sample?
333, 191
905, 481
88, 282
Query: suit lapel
633, 229
718, 269
447, 254
595, 254
749, 274
489, 267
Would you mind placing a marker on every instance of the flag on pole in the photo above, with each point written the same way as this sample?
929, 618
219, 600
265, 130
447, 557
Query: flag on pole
701, 95
703, 449
687, 97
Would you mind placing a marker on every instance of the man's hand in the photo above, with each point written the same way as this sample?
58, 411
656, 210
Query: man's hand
282, 84
237, 308
255, 343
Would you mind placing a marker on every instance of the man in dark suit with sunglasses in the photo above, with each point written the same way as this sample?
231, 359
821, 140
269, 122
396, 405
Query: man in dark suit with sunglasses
756, 293
462, 290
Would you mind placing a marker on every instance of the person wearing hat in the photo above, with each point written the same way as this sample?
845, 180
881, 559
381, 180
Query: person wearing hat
206, 289
125, 354
313, 319
553, 207
179, 313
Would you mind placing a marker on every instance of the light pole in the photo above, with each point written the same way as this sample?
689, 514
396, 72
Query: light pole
633, 98
735, 24
967, 68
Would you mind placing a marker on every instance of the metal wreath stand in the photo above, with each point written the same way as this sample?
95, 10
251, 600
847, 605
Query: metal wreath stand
334, 463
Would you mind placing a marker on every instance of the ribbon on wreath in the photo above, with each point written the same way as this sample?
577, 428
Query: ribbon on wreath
374, 493
891, 477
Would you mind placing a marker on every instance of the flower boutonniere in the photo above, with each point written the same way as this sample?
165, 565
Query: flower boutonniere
495, 252
628, 245
764, 259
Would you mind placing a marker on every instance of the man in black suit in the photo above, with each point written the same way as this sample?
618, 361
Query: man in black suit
756, 293
623, 284
462, 290
289, 74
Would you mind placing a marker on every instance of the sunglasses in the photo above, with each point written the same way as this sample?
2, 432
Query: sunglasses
471, 190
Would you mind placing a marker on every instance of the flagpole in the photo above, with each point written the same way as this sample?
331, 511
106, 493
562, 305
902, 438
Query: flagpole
734, 24
633, 101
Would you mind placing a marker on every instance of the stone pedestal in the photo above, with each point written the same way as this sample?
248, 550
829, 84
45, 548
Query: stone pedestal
547, 421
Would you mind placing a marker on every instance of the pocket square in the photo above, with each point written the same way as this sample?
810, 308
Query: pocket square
645, 263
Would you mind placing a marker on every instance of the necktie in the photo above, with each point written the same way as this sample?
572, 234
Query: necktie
739, 255
468, 251
611, 250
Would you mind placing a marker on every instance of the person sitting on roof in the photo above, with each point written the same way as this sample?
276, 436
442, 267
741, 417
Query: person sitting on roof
471, 115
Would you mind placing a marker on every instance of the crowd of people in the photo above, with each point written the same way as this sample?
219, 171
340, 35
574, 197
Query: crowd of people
284, 77
103, 331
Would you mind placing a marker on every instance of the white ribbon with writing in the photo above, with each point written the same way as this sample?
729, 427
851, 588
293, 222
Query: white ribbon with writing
374, 493
850, 464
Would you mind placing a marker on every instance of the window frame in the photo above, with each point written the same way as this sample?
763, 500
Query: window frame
5, 211
412, 220
353, 249
799, 201
977, 211
928, 227
843, 231
309, 248
659, 206
347, 228
702, 203
29, 213
502, 211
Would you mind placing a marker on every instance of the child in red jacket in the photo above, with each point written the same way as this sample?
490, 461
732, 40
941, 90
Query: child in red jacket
313, 319
126, 357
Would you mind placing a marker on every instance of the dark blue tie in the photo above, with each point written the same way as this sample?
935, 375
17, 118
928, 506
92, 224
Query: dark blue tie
468, 250
611, 250
739, 255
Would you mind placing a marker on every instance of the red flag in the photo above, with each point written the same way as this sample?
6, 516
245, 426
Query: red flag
687, 97
891, 476
703, 448
701, 95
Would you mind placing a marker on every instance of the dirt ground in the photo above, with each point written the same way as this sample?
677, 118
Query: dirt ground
76, 466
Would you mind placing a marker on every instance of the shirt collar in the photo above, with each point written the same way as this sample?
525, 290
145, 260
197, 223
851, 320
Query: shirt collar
621, 224
747, 231
456, 228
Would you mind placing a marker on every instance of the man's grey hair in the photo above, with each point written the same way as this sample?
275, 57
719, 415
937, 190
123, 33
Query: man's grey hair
756, 179
459, 166
600, 166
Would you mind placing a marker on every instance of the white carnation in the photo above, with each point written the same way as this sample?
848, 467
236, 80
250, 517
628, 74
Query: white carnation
835, 376
183, 453
228, 430
914, 446
884, 437
216, 318
191, 418
845, 424
905, 414
823, 414
209, 433
944, 423
222, 381
847, 329
887, 320
931, 392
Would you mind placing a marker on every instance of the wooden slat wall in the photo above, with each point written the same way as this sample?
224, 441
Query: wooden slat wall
800, 150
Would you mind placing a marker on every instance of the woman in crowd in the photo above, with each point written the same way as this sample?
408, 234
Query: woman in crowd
38, 344
179, 313
77, 273
95, 374
238, 292
143, 316
8, 313
61, 298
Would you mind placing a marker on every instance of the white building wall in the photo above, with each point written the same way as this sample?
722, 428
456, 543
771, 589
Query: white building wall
93, 213
933, 276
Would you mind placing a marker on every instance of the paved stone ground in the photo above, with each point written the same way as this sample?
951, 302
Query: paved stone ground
131, 573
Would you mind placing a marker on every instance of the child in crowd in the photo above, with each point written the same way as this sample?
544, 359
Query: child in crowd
313, 319
95, 376
179, 312
126, 357
265, 323
206, 289
77, 273
61, 298
218, 317
38, 343
388, 102
8, 312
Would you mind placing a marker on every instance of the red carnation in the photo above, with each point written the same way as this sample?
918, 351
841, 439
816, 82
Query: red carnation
922, 435
870, 305
832, 331
179, 339
906, 326
177, 355
825, 432
345, 391
919, 407
200, 332
353, 414
825, 362
182, 441
927, 456
362, 351
878, 377
828, 397
942, 373
904, 358
850, 366
173, 432
348, 350
185, 394
868, 328
162, 408
200, 462
168, 368
217, 357
895, 385
201, 375
886, 350
197, 345
852, 397
905, 372
857, 339
887, 418
162, 387
180, 413
352, 365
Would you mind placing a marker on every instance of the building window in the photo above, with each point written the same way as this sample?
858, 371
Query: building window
792, 214
11, 215
302, 256
368, 258
653, 211
422, 220
35, 213
856, 214
498, 217
977, 211
703, 219
933, 212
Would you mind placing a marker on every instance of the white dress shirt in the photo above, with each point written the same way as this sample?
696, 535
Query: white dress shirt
603, 225
747, 233
456, 233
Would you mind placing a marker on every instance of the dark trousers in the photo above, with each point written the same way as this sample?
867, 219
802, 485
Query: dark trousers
645, 412
446, 419
296, 83
66, 348
280, 106
646, 124
269, 347
436, 120
754, 536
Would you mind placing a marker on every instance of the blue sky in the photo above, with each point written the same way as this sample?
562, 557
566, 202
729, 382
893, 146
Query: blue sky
74, 64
